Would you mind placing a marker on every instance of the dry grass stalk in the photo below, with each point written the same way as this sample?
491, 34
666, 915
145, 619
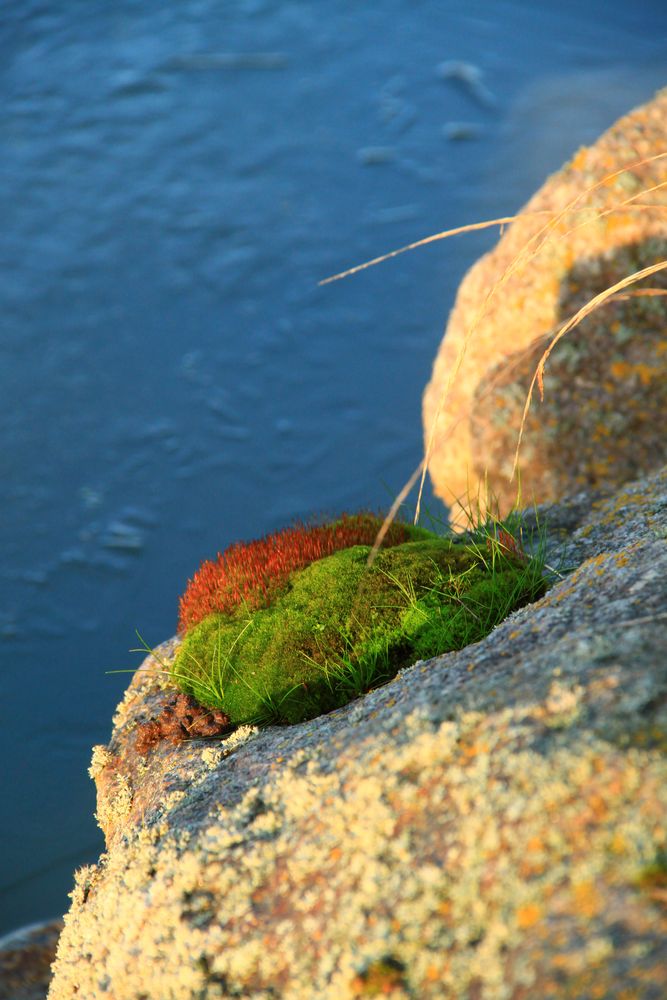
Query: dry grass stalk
458, 231
533, 246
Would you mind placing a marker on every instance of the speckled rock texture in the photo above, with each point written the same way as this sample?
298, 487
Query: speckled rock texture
491, 825
605, 405
25, 961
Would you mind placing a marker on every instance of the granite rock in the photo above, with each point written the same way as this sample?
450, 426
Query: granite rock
492, 824
599, 219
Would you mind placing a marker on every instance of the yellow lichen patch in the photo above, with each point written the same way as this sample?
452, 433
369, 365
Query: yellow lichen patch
563, 704
211, 756
101, 758
116, 805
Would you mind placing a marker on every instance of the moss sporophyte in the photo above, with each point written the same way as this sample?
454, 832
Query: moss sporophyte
298, 624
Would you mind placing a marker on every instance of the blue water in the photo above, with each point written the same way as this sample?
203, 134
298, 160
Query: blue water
174, 181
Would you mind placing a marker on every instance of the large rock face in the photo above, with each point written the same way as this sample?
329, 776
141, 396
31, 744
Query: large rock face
492, 824
602, 419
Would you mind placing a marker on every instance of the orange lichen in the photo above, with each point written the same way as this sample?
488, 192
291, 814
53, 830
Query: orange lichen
587, 898
527, 916
625, 370
578, 161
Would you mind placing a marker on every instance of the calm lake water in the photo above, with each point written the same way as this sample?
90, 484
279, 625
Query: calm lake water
174, 181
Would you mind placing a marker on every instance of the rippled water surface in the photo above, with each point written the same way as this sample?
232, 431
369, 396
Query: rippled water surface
174, 181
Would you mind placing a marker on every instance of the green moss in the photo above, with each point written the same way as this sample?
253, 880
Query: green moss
341, 627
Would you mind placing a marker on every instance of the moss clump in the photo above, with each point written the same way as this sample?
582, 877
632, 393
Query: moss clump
340, 627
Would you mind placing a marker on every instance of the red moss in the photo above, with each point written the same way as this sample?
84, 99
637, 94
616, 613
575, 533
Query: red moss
182, 718
510, 545
252, 573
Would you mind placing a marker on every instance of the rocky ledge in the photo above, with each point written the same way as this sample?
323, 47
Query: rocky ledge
492, 824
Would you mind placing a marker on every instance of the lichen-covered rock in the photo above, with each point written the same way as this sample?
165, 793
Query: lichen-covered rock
599, 219
492, 824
